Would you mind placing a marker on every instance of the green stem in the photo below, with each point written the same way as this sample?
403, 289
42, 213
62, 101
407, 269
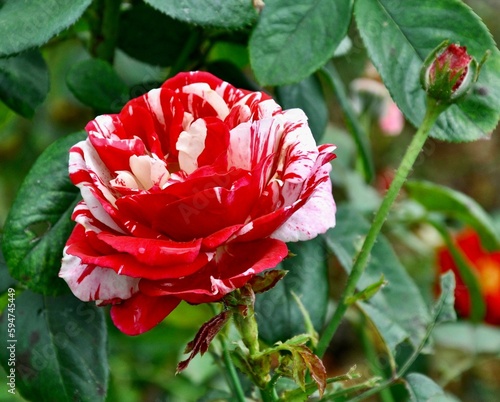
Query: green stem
233, 375
347, 391
268, 394
104, 22
433, 111
247, 327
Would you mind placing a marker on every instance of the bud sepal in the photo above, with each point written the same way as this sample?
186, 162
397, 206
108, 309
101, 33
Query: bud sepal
449, 72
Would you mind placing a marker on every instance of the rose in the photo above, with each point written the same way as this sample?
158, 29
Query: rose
485, 266
449, 72
189, 192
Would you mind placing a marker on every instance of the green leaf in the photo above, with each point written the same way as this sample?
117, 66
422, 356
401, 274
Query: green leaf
423, 389
453, 204
399, 36
392, 333
95, 83
308, 96
294, 38
229, 14
444, 310
39, 223
24, 81
60, 348
151, 36
409, 320
28, 24
469, 337
278, 314
6, 281
368, 292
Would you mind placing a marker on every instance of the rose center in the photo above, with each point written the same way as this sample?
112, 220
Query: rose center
145, 172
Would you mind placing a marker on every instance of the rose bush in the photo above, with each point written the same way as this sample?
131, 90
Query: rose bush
189, 192
486, 267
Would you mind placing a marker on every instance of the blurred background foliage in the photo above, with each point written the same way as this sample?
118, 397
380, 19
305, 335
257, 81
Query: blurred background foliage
142, 368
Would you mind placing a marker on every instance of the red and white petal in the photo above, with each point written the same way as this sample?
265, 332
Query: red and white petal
229, 93
142, 313
249, 143
90, 282
124, 181
316, 216
87, 168
148, 171
97, 209
88, 251
240, 147
233, 267
154, 251
191, 144
260, 105
210, 96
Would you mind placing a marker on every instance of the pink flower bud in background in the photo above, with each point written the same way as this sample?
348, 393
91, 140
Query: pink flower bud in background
370, 95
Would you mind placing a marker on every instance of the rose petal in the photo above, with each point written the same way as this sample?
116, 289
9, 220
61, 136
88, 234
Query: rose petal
90, 282
153, 251
190, 145
229, 93
141, 313
126, 264
316, 216
231, 269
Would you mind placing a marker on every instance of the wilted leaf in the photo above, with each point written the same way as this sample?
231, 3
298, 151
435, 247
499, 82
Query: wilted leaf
267, 280
204, 337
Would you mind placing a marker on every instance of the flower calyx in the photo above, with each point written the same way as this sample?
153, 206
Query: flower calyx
449, 72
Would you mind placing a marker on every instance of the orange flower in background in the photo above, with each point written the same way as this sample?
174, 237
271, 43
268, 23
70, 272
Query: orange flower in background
487, 268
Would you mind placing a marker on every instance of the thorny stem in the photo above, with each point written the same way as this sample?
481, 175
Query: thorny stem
434, 109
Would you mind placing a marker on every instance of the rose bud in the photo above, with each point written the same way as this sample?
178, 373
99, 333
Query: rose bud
449, 72
188, 193
486, 267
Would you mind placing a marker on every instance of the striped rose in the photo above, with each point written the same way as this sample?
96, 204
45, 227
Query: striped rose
188, 192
